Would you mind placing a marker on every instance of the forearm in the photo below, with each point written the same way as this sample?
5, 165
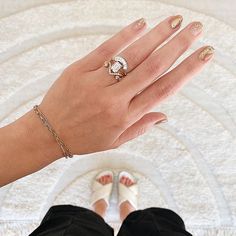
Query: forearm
26, 146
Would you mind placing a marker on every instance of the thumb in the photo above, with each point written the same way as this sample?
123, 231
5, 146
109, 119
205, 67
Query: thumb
140, 127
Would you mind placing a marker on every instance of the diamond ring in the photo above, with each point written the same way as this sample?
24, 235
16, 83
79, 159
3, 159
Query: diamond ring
117, 67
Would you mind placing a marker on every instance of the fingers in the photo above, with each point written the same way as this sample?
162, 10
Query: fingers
140, 127
160, 61
112, 46
138, 51
171, 82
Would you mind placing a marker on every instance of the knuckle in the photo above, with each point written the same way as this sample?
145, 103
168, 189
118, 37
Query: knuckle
165, 90
183, 42
189, 68
157, 32
141, 131
153, 67
153, 97
125, 35
105, 50
133, 56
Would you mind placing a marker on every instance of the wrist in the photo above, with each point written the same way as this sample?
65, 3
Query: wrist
26, 147
36, 136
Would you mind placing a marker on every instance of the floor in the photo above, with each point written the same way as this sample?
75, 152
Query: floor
187, 164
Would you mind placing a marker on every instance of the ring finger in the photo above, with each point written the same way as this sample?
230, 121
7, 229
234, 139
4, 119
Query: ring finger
138, 51
170, 82
159, 61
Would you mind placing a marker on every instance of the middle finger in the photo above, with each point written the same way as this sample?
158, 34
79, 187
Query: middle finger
138, 51
159, 61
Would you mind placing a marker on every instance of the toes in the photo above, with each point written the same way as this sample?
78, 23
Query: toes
108, 179
105, 179
100, 180
122, 180
126, 181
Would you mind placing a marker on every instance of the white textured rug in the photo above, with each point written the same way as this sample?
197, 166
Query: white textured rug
187, 165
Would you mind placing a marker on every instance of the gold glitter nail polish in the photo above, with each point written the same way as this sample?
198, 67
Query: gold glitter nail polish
206, 53
176, 22
140, 23
196, 28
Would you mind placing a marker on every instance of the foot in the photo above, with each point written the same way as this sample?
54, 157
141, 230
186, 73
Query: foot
100, 206
126, 208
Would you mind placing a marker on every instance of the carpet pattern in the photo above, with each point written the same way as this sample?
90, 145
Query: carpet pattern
187, 165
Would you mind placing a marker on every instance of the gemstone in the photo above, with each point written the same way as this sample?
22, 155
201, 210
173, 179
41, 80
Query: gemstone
116, 67
122, 61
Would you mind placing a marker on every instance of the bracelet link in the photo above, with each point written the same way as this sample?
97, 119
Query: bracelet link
65, 150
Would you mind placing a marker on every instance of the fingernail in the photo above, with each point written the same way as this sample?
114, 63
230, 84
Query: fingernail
176, 22
206, 53
161, 122
196, 28
140, 23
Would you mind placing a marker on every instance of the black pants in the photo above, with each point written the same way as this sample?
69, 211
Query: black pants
67, 220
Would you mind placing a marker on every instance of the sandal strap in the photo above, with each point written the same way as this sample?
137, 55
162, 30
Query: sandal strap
101, 191
129, 194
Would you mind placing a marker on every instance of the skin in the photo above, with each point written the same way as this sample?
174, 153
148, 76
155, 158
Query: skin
100, 206
90, 110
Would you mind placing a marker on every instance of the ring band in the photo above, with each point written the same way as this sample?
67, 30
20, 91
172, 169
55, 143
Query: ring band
117, 67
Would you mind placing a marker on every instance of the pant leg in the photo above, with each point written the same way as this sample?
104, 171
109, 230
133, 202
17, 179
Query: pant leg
67, 220
153, 221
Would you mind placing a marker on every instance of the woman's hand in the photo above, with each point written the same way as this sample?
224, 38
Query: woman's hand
91, 111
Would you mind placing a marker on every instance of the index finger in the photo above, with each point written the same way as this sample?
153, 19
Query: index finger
112, 46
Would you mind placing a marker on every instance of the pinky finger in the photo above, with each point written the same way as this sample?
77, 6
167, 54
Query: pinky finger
171, 82
140, 127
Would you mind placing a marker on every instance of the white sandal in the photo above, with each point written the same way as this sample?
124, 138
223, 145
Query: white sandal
130, 193
101, 191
